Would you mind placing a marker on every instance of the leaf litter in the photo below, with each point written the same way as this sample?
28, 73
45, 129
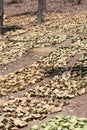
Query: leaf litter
17, 111
15, 45
52, 95
40, 69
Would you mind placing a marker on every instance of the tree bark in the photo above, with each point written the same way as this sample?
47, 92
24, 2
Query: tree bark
41, 10
44, 7
1, 16
40, 3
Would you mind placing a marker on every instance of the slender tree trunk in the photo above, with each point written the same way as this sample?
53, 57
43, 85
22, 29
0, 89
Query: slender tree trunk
40, 3
44, 7
41, 10
1, 16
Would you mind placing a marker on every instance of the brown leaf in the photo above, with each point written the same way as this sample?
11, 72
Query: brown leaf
19, 123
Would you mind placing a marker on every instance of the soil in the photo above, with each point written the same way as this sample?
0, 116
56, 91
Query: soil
78, 105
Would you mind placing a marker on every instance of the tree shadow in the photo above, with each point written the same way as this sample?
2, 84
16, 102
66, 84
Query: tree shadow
76, 71
11, 28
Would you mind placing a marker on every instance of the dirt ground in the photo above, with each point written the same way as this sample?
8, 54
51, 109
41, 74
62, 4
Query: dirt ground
78, 105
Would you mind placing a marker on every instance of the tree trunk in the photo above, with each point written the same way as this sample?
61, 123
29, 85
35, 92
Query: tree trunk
44, 7
41, 10
40, 4
1, 16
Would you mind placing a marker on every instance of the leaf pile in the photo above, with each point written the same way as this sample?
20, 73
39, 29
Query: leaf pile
15, 46
68, 83
11, 51
39, 70
50, 39
63, 123
61, 56
18, 111
82, 29
46, 98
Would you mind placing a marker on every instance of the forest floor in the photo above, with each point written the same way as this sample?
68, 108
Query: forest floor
43, 69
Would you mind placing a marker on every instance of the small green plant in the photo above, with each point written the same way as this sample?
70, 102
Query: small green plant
63, 123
